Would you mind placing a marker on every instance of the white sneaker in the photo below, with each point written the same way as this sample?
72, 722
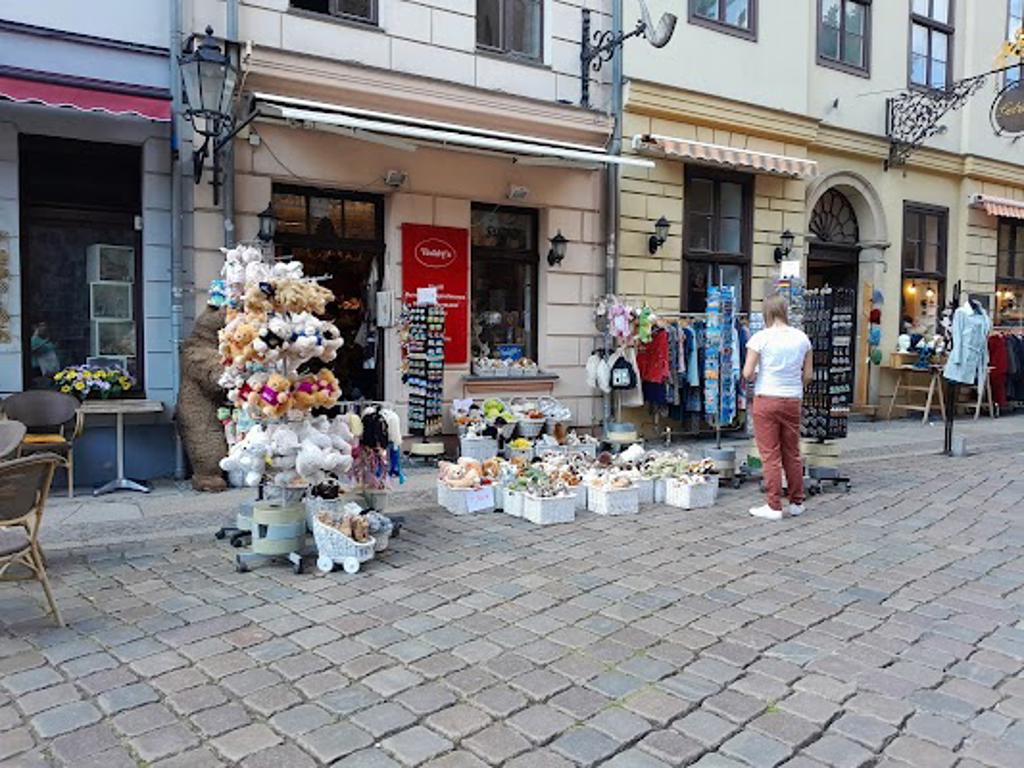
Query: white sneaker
795, 510
766, 512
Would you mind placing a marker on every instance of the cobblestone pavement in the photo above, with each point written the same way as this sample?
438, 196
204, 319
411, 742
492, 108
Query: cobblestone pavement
884, 627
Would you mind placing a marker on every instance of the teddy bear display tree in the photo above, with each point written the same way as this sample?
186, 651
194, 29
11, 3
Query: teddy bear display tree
274, 347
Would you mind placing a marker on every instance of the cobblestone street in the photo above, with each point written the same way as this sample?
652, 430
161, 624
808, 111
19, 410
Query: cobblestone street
884, 627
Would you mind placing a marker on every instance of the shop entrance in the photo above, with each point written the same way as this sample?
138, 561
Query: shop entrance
340, 235
834, 254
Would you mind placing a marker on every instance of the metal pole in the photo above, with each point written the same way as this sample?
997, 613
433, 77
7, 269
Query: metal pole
177, 262
612, 180
227, 165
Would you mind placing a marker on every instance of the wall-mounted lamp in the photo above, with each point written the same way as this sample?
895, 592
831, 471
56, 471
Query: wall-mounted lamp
268, 224
929, 294
557, 251
660, 235
912, 288
785, 247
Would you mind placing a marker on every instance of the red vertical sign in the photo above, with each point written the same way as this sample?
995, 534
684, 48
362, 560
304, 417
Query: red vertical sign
438, 257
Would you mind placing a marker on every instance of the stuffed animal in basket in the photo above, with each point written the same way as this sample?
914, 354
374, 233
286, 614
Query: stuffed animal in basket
274, 398
301, 296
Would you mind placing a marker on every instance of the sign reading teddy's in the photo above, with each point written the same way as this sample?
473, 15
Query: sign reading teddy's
438, 257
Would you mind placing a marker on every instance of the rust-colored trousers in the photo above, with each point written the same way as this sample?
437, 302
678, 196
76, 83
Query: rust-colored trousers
777, 432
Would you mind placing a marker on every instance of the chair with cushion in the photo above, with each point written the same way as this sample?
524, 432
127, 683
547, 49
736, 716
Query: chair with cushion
24, 486
53, 421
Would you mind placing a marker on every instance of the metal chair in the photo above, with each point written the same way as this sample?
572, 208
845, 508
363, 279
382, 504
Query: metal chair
24, 487
53, 420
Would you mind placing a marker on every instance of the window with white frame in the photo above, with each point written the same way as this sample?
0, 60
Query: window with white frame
353, 10
512, 27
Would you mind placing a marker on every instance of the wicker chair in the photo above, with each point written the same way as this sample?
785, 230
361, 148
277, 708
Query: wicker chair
24, 486
53, 421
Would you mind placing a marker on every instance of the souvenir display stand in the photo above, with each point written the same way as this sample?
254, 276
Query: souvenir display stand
275, 349
828, 322
422, 341
523, 427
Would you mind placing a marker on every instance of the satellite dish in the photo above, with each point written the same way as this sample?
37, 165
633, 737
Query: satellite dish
658, 36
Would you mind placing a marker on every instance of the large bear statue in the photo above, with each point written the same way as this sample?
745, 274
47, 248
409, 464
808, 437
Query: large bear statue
199, 397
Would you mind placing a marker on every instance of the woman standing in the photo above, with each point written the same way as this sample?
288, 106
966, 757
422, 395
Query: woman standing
780, 362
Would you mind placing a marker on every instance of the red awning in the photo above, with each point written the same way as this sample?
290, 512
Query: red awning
1000, 206
84, 99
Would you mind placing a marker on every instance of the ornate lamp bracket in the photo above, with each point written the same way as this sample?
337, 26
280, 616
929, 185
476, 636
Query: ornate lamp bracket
599, 47
911, 118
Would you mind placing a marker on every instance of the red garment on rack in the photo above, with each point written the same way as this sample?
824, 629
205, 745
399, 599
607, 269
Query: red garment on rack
1000, 362
652, 359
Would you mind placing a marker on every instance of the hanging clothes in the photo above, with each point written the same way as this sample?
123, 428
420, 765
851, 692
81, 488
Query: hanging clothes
652, 359
969, 358
999, 360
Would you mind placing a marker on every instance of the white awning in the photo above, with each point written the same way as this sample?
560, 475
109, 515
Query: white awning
999, 206
403, 132
717, 154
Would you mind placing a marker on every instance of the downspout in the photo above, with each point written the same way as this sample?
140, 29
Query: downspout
612, 180
177, 262
228, 159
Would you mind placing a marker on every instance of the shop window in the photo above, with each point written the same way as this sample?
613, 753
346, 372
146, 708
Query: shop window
717, 235
931, 43
511, 27
1013, 27
339, 236
925, 237
503, 275
81, 257
733, 16
843, 34
1009, 305
354, 10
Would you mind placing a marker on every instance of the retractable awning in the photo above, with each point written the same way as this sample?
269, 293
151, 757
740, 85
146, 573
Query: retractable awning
29, 91
717, 154
404, 132
999, 206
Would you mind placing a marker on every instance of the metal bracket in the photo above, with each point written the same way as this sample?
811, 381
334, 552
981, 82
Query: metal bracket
593, 55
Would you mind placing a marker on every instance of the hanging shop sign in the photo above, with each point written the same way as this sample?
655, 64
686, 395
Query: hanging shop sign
438, 257
1008, 110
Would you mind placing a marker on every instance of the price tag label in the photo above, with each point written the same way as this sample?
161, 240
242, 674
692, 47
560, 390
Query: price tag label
480, 498
426, 295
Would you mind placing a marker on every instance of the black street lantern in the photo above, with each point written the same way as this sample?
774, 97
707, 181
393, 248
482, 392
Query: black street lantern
557, 251
209, 72
660, 235
268, 224
786, 246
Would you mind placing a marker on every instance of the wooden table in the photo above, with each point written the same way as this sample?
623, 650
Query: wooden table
512, 385
904, 378
118, 409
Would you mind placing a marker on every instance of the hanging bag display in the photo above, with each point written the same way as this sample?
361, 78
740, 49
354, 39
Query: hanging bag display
623, 374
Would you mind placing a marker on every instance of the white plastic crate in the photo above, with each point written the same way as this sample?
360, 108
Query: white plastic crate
689, 495
520, 453
613, 501
514, 503
660, 489
550, 510
645, 491
479, 448
579, 493
458, 500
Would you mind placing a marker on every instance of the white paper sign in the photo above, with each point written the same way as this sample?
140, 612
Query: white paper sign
789, 268
426, 295
480, 498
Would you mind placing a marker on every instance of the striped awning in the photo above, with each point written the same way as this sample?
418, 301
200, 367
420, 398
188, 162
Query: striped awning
999, 206
717, 154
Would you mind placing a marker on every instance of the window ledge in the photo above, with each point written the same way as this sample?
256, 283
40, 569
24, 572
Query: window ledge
511, 58
848, 69
727, 29
342, 21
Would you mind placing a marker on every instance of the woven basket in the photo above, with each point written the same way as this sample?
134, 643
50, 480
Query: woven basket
335, 547
530, 428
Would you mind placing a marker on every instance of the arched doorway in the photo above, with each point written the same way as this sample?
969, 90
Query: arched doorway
834, 243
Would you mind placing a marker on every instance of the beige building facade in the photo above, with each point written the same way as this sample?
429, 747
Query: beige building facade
773, 116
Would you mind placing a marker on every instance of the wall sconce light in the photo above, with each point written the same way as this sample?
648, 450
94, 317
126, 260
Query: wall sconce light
268, 224
785, 248
912, 288
557, 251
929, 294
660, 235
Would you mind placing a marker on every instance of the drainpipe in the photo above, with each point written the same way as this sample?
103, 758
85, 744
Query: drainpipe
228, 159
177, 262
612, 179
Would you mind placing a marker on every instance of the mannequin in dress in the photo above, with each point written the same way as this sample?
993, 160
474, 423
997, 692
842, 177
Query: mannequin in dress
968, 360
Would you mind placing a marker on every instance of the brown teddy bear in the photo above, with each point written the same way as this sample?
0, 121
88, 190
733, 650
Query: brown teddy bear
301, 296
199, 397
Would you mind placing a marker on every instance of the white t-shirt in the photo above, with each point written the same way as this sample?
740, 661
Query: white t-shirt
780, 364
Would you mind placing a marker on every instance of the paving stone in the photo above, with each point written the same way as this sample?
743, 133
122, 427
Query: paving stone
227, 717
782, 726
415, 745
162, 742
938, 730
384, 719
756, 749
367, 758
65, 718
283, 756
128, 697
657, 706
635, 758
427, 698
499, 701
810, 707
944, 704
540, 684
671, 747
540, 723
705, 727
990, 752
919, 753
621, 725
869, 731
31, 680
142, 719
892, 711
344, 701
496, 743
196, 699
840, 752
457, 759
47, 698
241, 742
300, 719
83, 743
579, 703
735, 706
584, 746
267, 701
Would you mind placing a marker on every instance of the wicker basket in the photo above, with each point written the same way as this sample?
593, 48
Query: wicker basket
334, 547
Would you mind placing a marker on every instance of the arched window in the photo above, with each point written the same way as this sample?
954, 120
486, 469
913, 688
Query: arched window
833, 220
